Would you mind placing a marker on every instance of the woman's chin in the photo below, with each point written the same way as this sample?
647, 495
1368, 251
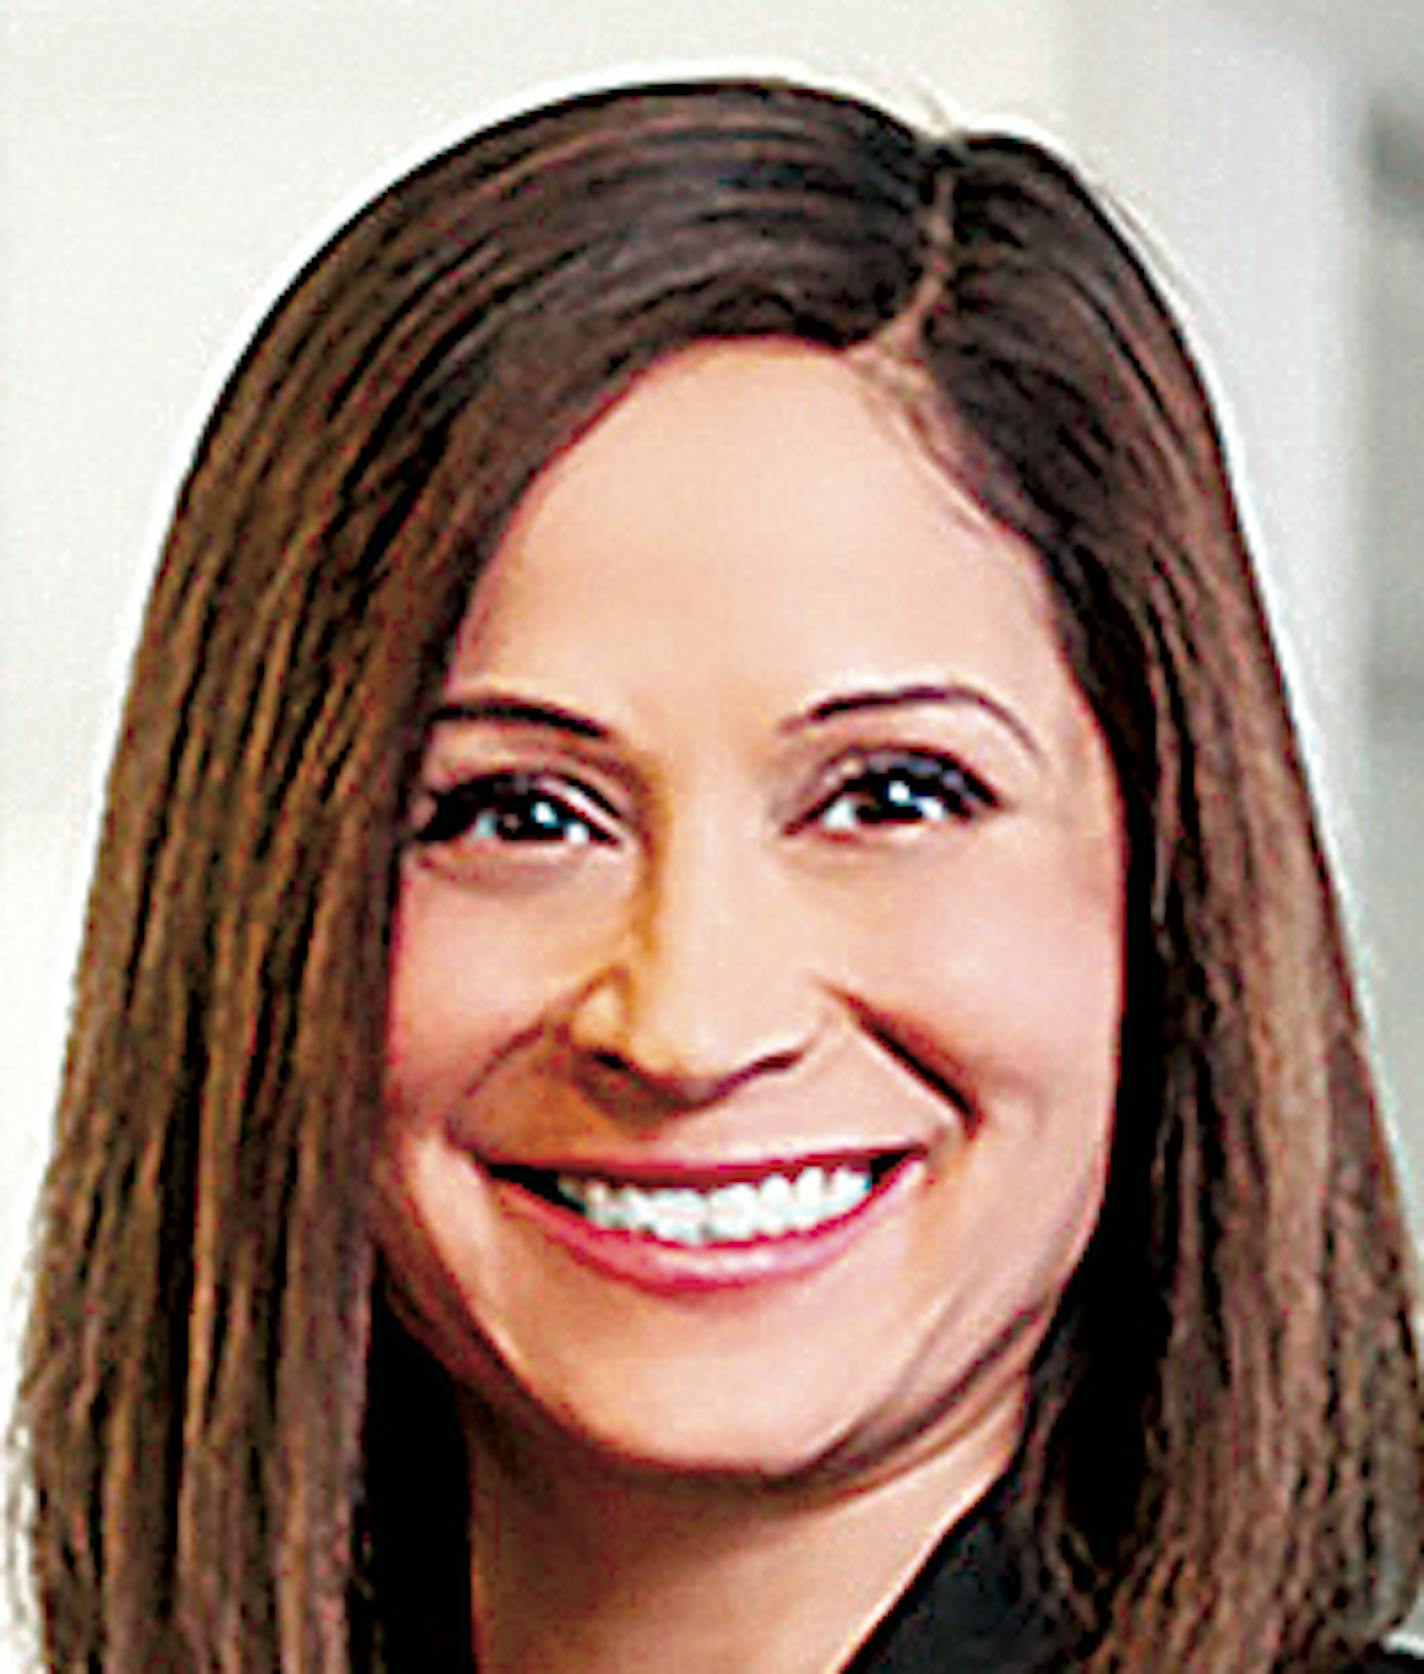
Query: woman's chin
662, 1427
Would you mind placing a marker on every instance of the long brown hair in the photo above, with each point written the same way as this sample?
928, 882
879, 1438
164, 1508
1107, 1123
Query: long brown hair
1222, 1468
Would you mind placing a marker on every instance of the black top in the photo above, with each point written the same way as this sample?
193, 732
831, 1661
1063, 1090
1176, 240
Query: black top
963, 1614
966, 1614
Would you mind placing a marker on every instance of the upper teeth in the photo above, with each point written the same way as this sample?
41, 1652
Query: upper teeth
726, 1215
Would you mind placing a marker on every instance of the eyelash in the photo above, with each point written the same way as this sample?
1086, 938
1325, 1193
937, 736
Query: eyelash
893, 788
524, 800
880, 789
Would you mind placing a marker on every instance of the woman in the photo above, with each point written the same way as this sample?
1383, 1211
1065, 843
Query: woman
713, 1032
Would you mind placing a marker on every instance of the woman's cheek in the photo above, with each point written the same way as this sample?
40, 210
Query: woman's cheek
466, 981
1009, 971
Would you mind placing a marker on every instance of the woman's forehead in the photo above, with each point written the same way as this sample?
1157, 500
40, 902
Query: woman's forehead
757, 523
752, 485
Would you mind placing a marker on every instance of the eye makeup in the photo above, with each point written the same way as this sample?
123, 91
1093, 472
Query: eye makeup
897, 787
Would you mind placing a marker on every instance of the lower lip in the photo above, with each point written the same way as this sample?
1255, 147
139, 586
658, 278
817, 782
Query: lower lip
683, 1270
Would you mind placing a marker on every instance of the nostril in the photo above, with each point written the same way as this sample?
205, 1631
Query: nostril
671, 1006
664, 1085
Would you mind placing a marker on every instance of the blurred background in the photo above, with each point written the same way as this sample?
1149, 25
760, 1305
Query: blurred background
166, 164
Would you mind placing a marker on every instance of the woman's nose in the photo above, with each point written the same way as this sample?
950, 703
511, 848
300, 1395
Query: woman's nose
710, 986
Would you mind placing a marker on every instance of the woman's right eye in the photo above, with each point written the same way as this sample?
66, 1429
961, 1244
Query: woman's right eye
509, 809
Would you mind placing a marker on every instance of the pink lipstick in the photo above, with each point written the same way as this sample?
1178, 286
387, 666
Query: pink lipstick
689, 1231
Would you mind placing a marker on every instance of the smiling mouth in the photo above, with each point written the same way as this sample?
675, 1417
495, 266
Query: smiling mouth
752, 1207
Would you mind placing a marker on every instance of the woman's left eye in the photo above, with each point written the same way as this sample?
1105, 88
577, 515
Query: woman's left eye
901, 789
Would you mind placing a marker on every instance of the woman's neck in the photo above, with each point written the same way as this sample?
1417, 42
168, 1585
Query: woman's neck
584, 1563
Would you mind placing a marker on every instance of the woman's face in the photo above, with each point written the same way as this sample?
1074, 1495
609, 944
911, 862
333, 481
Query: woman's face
758, 967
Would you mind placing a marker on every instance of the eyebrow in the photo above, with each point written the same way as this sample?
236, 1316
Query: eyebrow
893, 697
529, 712
536, 712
